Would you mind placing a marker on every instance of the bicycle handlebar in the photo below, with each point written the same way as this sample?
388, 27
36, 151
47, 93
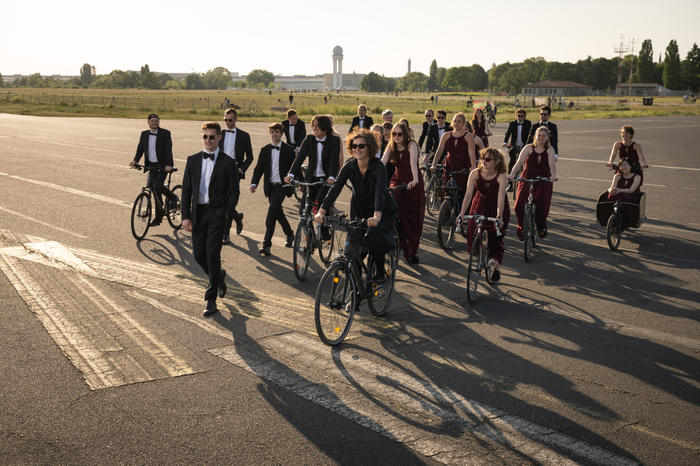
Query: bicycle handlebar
304, 183
397, 188
533, 180
152, 169
483, 218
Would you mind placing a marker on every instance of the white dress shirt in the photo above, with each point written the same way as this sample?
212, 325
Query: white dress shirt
361, 122
275, 159
291, 133
152, 156
319, 163
519, 139
230, 143
205, 178
441, 131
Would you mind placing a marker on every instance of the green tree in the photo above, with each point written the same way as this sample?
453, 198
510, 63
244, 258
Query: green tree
164, 78
629, 65
495, 73
194, 81
149, 80
413, 82
440, 76
557, 71
260, 79
672, 78
86, 76
645, 64
218, 78
173, 84
372, 82
691, 69
432, 77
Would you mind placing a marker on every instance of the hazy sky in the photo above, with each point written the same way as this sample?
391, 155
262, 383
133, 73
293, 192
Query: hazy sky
53, 37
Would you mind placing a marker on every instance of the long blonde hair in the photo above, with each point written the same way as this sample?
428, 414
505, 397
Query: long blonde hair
534, 141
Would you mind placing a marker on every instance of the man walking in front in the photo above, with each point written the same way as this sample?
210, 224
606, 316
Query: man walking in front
236, 144
362, 120
209, 196
429, 121
157, 145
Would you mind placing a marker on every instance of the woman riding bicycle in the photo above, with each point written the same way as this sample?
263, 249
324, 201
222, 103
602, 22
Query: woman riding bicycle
538, 159
459, 144
481, 127
629, 150
488, 183
625, 184
370, 199
402, 152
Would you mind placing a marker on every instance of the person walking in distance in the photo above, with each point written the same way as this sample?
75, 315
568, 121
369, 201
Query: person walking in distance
294, 130
274, 162
429, 121
545, 113
209, 196
362, 120
157, 146
236, 144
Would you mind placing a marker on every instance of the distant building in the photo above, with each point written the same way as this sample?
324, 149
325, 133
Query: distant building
556, 89
641, 89
351, 82
301, 82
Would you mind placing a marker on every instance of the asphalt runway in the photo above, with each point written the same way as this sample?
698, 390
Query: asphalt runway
582, 355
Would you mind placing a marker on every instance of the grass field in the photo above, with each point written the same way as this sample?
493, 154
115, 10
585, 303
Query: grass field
263, 106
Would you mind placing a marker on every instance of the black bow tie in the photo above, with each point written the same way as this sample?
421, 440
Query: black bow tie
275, 147
154, 134
520, 124
321, 142
229, 131
206, 155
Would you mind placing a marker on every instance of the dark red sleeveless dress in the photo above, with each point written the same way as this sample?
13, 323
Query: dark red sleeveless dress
485, 202
411, 204
457, 158
630, 154
625, 183
536, 164
480, 130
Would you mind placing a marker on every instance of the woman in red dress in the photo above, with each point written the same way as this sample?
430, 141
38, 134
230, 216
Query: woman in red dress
480, 127
488, 183
402, 152
629, 150
625, 184
459, 144
538, 158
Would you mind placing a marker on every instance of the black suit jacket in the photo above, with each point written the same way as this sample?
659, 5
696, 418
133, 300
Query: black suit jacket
356, 123
434, 136
329, 156
553, 135
164, 148
424, 136
512, 132
264, 166
243, 149
299, 132
223, 186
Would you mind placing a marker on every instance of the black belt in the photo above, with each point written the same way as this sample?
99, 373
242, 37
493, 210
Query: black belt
203, 205
275, 184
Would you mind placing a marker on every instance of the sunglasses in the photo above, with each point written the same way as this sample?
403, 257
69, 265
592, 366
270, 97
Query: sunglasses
486, 160
544, 114
211, 137
357, 146
440, 117
395, 133
229, 120
521, 115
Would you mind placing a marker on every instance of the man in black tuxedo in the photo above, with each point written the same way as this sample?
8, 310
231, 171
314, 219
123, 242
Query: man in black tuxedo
294, 130
429, 121
361, 120
157, 146
209, 196
435, 132
545, 112
236, 144
274, 162
517, 132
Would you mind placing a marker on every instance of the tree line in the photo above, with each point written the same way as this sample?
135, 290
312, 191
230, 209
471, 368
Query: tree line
599, 73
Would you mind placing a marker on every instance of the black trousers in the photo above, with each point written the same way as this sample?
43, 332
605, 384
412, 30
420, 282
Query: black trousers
275, 213
206, 245
156, 181
513, 155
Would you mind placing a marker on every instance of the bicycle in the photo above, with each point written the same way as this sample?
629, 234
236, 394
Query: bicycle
432, 191
619, 216
308, 236
344, 282
449, 210
479, 255
513, 184
529, 226
397, 224
142, 210
299, 190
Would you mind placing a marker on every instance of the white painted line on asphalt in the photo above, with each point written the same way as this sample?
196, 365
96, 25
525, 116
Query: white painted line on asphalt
607, 130
32, 219
608, 181
602, 163
400, 405
68, 189
54, 250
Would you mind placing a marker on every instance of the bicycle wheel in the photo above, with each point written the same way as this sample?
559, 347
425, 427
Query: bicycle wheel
492, 122
302, 251
379, 294
613, 231
173, 208
528, 233
141, 215
334, 308
325, 252
432, 201
474, 269
446, 225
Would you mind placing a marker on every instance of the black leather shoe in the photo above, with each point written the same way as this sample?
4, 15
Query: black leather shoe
413, 260
239, 224
265, 250
542, 233
210, 309
155, 222
227, 239
290, 241
222, 284
495, 275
